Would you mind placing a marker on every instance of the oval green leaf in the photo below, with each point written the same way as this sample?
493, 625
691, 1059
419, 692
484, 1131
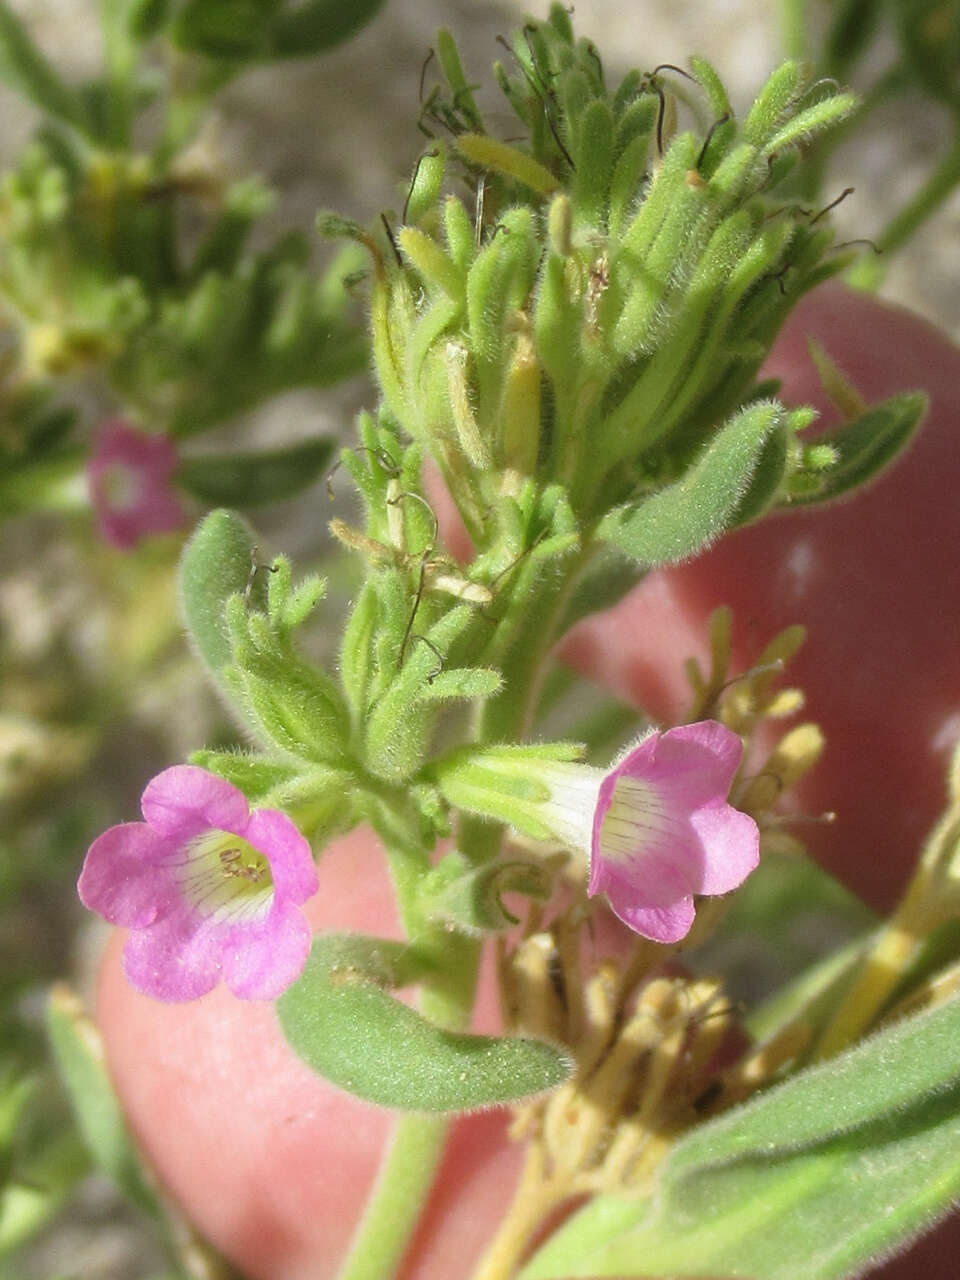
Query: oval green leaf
251, 479
342, 1021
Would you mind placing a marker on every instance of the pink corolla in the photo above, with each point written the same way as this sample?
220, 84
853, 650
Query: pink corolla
663, 831
656, 829
208, 889
130, 479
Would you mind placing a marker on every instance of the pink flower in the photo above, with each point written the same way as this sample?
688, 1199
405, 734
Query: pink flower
208, 889
129, 475
663, 831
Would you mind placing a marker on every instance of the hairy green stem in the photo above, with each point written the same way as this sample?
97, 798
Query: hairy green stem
416, 1148
524, 639
394, 1207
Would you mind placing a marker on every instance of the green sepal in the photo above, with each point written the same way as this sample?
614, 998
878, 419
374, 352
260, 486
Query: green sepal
811, 1181
79, 1059
341, 1020
427, 184
814, 119
356, 649
462, 682
469, 898
435, 267
399, 723
862, 449
254, 775
505, 783
449, 59
297, 706
251, 479
490, 153
289, 606
683, 518
773, 102
594, 160
712, 86
217, 563
460, 233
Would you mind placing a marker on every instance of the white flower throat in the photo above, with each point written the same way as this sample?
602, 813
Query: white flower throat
223, 875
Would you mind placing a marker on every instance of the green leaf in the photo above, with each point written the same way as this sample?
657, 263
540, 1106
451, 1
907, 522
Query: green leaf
810, 1181
470, 898
249, 479
25, 69
866, 446
78, 1054
682, 519
300, 30
767, 478
341, 1020
216, 564
852, 25
249, 30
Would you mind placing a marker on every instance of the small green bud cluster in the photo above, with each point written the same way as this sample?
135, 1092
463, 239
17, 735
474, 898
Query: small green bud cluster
605, 302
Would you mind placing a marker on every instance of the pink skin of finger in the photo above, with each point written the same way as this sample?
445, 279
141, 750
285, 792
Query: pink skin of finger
273, 1164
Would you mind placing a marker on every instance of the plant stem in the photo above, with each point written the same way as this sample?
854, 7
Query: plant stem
895, 948
794, 28
402, 1187
868, 273
410, 1163
929, 901
533, 1200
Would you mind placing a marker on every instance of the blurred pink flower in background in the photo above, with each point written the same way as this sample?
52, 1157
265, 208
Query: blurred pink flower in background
130, 479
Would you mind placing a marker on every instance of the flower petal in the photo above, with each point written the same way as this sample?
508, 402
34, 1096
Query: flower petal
694, 763
178, 958
157, 512
129, 476
731, 847
660, 924
291, 860
124, 879
185, 801
259, 964
655, 878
